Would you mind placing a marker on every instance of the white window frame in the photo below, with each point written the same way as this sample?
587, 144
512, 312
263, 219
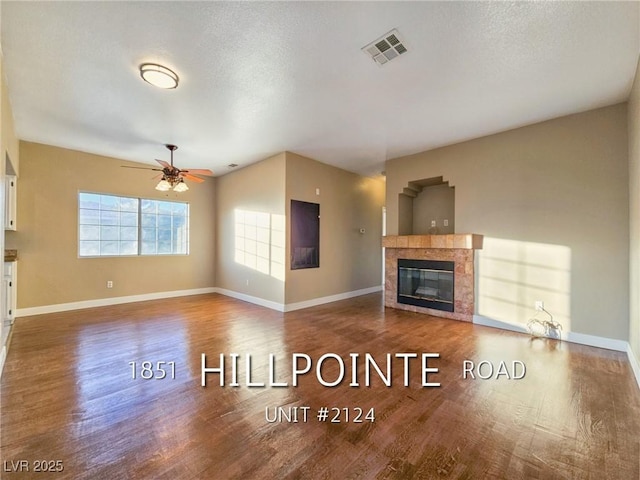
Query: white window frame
138, 226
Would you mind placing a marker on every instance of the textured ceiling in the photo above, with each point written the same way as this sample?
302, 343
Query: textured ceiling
260, 78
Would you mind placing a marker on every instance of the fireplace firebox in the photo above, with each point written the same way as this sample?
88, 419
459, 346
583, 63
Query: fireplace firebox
426, 283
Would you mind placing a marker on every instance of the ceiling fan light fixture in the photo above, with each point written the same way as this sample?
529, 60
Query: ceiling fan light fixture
163, 185
180, 187
173, 177
159, 75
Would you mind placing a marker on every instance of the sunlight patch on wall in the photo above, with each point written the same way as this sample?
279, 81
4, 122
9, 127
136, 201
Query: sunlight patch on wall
260, 242
513, 275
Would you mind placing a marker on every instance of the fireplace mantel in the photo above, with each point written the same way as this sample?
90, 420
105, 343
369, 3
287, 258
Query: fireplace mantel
457, 248
467, 241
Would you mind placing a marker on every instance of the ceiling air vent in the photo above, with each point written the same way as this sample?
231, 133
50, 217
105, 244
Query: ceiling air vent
386, 48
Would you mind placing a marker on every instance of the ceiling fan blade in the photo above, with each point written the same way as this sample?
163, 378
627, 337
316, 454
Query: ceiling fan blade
193, 178
165, 164
198, 171
142, 168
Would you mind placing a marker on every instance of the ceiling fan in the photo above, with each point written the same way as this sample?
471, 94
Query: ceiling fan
173, 178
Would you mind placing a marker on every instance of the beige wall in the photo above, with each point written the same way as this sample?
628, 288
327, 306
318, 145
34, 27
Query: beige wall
552, 200
634, 215
8, 148
8, 142
349, 260
437, 203
49, 270
404, 215
9, 138
2, 179
257, 189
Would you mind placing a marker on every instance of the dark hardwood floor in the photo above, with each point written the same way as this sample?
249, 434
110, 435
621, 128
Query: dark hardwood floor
68, 395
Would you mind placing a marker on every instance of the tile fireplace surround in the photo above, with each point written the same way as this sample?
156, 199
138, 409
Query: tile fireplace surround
457, 248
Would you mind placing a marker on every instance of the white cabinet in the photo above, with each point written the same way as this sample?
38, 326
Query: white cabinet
10, 203
9, 292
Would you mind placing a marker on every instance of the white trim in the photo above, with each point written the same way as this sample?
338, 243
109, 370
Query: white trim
635, 366
593, 341
102, 302
290, 307
3, 356
490, 322
573, 337
251, 299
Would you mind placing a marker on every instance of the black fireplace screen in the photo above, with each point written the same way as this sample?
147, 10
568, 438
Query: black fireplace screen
426, 283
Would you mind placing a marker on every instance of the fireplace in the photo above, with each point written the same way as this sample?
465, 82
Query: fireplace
426, 283
456, 291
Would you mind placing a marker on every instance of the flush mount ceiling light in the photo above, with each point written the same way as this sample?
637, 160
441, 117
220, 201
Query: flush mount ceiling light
159, 76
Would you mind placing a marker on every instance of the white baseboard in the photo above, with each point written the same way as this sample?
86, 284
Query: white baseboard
490, 322
251, 299
290, 307
103, 302
633, 360
573, 337
593, 341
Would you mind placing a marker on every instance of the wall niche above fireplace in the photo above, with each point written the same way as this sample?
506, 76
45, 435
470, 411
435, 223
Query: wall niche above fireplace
426, 207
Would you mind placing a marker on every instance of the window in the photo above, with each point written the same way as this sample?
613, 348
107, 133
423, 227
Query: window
164, 227
112, 226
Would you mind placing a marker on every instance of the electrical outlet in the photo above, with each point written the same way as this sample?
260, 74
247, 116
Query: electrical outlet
109, 284
539, 305
446, 222
247, 282
433, 223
